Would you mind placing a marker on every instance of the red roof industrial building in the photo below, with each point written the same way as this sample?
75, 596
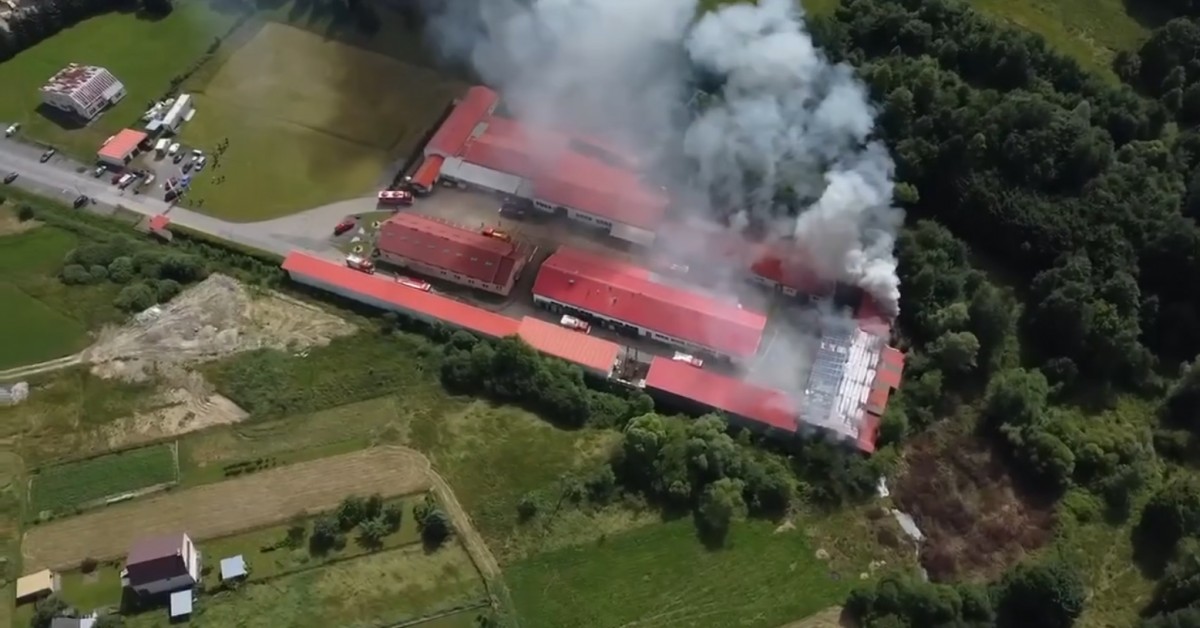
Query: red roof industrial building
453, 252
615, 291
595, 355
586, 177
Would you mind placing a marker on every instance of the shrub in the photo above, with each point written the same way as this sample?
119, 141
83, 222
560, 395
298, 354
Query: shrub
99, 273
435, 528
393, 515
24, 212
326, 534
527, 508
88, 565
74, 275
135, 297
352, 512
166, 289
121, 270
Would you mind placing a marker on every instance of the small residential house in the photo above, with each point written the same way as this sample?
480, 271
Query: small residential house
37, 585
162, 564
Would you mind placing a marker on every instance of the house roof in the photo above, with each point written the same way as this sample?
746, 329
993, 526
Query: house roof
766, 406
632, 295
457, 128
449, 246
153, 548
181, 603
428, 172
35, 584
233, 567
788, 267
594, 353
120, 145
383, 290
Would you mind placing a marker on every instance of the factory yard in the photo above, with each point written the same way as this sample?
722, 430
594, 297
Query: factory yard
227, 507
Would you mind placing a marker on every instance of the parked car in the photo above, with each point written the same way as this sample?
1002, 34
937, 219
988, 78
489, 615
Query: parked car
50, 152
10, 177
80, 201
512, 211
344, 226
177, 158
197, 153
200, 163
497, 234
126, 180
187, 166
99, 171
12, 129
173, 149
415, 284
116, 178
147, 180
688, 359
570, 322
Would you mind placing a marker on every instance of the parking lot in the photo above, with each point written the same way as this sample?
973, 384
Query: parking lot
172, 171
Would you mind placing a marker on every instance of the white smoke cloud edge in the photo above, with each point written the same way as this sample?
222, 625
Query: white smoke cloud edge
785, 117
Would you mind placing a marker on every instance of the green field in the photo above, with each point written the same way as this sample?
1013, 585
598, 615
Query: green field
328, 114
384, 588
36, 322
63, 487
143, 54
662, 576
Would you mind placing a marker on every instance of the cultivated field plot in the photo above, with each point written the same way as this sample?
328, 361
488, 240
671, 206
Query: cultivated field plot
228, 507
662, 576
143, 54
60, 488
382, 589
32, 330
328, 117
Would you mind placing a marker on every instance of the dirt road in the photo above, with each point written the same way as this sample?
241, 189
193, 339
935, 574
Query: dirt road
41, 367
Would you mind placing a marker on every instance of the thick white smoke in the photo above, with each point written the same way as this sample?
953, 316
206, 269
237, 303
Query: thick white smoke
788, 131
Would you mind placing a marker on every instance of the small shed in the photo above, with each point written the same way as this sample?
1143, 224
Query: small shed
233, 568
181, 604
37, 585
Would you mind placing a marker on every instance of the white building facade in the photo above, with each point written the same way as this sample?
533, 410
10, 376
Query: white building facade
82, 90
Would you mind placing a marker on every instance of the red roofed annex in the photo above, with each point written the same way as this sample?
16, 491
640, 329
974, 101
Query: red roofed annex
441, 249
620, 293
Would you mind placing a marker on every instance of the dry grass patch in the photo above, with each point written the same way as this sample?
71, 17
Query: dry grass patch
229, 507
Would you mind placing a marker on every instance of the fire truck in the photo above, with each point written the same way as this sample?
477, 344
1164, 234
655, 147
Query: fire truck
394, 198
415, 284
570, 322
496, 233
688, 359
360, 264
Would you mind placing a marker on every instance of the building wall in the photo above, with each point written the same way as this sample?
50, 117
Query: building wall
163, 586
619, 325
442, 273
361, 298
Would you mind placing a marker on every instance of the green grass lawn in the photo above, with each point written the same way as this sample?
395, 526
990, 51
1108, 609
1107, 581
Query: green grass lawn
33, 330
384, 588
314, 104
12, 479
662, 576
61, 488
143, 54
91, 591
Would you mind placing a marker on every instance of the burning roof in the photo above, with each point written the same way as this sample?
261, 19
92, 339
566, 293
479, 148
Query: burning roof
456, 129
452, 247
633, 295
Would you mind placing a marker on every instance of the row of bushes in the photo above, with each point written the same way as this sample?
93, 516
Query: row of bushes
248, 466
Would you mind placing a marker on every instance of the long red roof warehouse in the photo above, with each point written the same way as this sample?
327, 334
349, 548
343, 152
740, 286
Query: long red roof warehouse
449, 246
474, 107
428, 172
771, 408
594, 353
382, 290
630, 294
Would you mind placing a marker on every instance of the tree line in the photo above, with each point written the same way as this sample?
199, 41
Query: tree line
29, 24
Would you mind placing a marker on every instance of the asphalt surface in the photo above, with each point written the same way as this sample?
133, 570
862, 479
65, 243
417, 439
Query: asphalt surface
65, 179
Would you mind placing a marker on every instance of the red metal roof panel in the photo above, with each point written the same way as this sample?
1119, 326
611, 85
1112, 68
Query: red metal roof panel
868, 432
769, 407
449, 246
401, 296
120, 145
628, 293
573, 346
428, 172
475, 106
158, 222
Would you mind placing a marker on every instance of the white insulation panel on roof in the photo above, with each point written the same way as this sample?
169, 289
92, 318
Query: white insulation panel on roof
459, 170
632, 234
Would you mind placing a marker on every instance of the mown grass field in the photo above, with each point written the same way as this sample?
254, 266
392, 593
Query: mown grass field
384, 588
662, 576
144, 54
31, 329
12, 477
62, 488
329, 111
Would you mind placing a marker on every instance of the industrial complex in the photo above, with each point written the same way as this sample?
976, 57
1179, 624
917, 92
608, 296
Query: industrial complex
650, 289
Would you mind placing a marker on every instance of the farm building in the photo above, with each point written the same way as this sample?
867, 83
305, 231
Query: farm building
595, 356
120, 148
162, 564
447, 251
754, 407
584, 179
427, 174
179, 112
84, 90
37, 585
633, 299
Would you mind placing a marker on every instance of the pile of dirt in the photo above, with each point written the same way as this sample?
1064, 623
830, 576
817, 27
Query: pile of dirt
213, 319
975, 520
187, 403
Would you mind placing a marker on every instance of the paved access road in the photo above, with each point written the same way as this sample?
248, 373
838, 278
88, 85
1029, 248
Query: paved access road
65, 179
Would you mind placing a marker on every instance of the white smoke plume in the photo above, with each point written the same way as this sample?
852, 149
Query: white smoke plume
788, 132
